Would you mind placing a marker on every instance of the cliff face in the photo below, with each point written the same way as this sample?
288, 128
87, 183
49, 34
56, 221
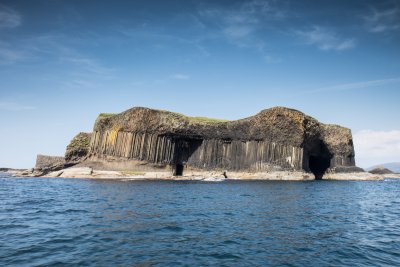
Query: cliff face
78, 148
43, 161
274, 139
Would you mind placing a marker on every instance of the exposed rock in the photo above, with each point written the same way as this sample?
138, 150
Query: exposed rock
275, 139
392, 166
27, 172
355, 176
78, 148
43, 161
211, 176
380, 170
55, 173
76, 172
46, 164
345, 169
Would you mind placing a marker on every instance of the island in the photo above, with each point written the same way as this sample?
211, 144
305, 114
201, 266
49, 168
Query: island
276, 144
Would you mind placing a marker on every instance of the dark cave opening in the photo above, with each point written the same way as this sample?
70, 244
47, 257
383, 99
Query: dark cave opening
318, 166
178, 170
183, 150
319, 160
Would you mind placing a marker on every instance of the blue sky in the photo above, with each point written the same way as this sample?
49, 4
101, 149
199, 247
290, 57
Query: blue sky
63, 62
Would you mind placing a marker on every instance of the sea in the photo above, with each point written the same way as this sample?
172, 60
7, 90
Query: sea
82, 222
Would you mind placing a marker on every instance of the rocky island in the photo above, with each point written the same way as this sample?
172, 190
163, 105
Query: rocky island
276, 144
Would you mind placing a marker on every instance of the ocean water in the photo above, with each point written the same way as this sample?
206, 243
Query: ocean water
77, 222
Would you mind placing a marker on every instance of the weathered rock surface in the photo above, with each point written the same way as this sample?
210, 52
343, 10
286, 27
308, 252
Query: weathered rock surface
392, 166
78, 148
354, 176
76, 172
44, 161
276, 139
381, 170
45, 164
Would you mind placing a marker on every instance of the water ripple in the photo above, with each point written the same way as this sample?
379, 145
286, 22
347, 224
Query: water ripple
58, 222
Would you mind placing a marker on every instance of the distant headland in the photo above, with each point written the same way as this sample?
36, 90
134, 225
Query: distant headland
276, 144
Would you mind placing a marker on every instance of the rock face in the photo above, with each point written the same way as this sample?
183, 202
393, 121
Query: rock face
46, 164
380, 170
43, 161
274, 139
76, 152
78, 148
391, 166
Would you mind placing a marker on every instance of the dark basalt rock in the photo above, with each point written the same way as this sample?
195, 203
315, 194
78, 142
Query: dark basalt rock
381, 170
45, 164
276, 138
44, 161
78, 148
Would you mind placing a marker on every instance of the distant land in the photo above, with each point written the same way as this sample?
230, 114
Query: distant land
393, 166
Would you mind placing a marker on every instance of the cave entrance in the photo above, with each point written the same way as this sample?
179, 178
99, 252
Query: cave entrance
318, 159
178, 170
318, 165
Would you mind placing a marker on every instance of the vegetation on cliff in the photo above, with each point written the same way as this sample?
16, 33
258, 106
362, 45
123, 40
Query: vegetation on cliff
78, 148
278, 137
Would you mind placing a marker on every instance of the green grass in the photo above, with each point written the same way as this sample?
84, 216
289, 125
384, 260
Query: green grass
204, 119
133, 173
106, 115
195, 119
190, 119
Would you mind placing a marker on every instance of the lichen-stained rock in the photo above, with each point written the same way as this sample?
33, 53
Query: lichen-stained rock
44, 161
274, 139
78, 148
339, 142
45, 164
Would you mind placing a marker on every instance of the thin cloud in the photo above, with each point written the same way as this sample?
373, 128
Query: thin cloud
240, 24
180, 76
89, 64
79, 70
161, 81
9, 18
12, 106
81, 83
160, 38
238, 31
9, 55
325, 39
381, 21
270, 59
373, 147
352, 86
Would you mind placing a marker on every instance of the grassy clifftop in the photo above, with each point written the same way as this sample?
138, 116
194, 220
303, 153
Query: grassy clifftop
174, 114
279, 124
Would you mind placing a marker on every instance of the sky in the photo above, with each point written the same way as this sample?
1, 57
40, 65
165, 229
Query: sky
64, 62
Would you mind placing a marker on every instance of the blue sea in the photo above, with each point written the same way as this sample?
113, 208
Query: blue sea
78, 222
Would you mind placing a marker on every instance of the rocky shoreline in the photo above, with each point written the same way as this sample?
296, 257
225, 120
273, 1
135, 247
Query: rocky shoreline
279, 144
195, 175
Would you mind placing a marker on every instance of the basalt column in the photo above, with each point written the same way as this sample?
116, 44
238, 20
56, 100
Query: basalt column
275, 139
140, 146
